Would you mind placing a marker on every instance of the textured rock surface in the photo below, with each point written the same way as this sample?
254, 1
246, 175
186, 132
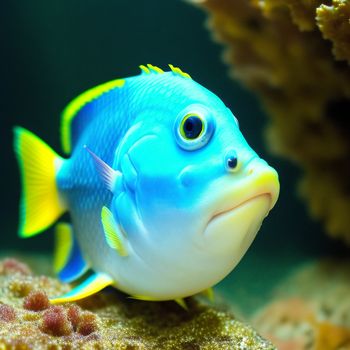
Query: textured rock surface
295, 55
311, 309
108, 320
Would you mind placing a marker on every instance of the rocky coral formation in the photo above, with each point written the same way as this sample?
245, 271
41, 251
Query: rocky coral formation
278, 49
108, 320
310, 309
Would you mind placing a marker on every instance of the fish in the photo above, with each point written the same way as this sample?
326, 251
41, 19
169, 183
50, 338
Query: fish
164, 193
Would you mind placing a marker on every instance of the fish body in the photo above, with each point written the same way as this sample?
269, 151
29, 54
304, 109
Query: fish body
165, 195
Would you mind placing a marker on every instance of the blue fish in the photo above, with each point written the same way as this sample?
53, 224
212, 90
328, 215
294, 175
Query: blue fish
164, 193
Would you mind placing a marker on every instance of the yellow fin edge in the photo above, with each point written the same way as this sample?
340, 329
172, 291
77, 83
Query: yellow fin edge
63, 245
90, 286
79, 102
113, 237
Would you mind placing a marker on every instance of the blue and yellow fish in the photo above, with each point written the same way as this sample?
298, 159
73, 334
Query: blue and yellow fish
165, 195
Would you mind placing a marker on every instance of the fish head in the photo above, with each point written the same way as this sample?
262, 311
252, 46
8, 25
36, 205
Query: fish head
199, 193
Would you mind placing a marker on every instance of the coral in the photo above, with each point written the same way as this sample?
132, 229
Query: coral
87, 323
334, 24
110, 320
310, 309
36, 301
56, 322
73, 314
11, 266
7, 313
277, 49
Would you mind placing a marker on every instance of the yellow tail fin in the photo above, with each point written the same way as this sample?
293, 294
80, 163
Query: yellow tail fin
40, 203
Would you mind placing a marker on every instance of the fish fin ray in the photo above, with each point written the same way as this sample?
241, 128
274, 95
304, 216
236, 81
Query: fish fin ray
41, 204
179, 72
108, 175
113, 236
90, 286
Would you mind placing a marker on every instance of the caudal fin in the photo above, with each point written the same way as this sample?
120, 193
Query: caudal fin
40, 204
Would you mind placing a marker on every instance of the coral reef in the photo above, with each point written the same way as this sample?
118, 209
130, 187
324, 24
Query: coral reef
109, 320
310, 309
289, 52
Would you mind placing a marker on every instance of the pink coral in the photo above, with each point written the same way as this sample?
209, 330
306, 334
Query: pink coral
7, 313
36, 301
55, 322
87, 323
12, 266
74, 313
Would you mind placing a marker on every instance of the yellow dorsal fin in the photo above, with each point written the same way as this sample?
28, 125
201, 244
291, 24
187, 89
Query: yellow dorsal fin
155, 69
178, 71
77, 104
144, 69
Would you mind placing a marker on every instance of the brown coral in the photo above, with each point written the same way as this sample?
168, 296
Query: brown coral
73, 314
36, 301
334, 23
276, 48
87, 323
55, 321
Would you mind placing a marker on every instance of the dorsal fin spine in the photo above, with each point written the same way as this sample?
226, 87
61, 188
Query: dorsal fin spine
78, 103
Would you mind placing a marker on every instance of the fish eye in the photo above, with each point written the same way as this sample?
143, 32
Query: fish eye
193, 128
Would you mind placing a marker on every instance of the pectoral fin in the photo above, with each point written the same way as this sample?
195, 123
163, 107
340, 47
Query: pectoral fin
69, 263
90, 286
112, 178
114, 237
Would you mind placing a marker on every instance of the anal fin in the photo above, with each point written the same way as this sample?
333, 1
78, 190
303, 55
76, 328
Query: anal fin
90, 286
69, 263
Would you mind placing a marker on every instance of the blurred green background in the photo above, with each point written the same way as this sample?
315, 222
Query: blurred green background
53, 50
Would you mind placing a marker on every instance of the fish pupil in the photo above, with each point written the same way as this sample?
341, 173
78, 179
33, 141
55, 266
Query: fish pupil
193, 127
232, 162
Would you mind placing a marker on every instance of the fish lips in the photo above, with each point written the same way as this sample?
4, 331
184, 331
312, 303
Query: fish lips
232, 231
234, 223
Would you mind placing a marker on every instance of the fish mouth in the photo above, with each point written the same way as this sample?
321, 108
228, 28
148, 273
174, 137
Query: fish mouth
232, 230
219, 215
